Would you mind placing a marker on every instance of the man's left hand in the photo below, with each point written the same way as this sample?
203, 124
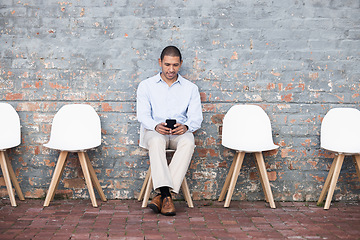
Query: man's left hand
179, 129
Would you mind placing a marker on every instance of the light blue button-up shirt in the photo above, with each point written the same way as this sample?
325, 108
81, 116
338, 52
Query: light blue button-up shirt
156, 102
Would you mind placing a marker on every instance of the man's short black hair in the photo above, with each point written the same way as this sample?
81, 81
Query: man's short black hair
170, 51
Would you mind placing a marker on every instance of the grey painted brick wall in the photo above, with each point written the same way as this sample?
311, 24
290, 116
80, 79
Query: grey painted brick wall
297, 59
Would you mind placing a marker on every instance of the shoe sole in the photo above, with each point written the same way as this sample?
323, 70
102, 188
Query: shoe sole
169, 214
154, 208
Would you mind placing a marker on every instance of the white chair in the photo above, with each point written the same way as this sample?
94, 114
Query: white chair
147, 185
340, 133
75, 128
10, 136
247, 129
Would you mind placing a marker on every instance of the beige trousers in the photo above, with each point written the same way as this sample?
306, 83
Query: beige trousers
172, 175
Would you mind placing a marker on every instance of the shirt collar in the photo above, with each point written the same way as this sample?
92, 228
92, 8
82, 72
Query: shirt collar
159, 79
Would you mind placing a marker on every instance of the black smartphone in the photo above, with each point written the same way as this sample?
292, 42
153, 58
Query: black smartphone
170, 123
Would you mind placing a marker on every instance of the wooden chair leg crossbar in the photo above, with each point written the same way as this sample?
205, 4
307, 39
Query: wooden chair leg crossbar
89, 174
333, 176
233, 175
147, 187
9, 176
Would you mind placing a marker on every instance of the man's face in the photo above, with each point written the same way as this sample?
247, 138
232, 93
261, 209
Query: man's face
170, 67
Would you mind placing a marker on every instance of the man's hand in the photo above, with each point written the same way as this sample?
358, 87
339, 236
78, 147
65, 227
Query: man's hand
162, 129
178, 130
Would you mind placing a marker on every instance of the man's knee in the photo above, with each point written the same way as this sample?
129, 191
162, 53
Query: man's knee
187, 142
156, 140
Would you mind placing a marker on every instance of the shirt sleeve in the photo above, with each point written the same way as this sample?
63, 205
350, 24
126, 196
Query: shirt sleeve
194, 113
143, 108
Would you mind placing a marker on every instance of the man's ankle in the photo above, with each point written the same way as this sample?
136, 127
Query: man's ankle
165, 192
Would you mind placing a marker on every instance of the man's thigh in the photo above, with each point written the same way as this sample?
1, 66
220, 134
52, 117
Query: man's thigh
185, 139
152, 138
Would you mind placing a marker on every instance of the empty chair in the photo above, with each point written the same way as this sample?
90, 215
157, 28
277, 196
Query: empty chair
340, 132
10, 136
75, 128
147, 185
247, 129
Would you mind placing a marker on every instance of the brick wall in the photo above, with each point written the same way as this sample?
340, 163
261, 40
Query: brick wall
297, 59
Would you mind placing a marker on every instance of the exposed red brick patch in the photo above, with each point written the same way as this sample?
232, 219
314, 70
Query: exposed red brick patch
319, 179
285, 152
14, 96
217, 118
106, 107
210, 141
74, 183
287, 98
58, 86
253, 176
272, 176
270, 86
203, 96
209, 107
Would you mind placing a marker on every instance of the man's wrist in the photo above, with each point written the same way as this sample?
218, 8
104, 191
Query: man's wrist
187, 128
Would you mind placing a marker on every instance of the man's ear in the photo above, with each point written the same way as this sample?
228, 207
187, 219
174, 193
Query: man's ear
160, 62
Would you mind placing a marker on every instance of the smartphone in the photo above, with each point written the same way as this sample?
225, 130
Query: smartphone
170, 123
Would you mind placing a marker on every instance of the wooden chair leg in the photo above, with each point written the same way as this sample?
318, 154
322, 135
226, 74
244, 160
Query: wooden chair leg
327, 182
234, 177
143, 188
5, 171
85, 169
56, 177
186, 192
357, 165
94, 178
13, 178
183, 189
334, 180
228, 178
60, 174
262, 181
263, 172
147, 191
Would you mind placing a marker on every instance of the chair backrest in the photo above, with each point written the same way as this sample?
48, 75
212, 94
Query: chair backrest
75, 127
10, 133
247, 128
340, 131
141, 137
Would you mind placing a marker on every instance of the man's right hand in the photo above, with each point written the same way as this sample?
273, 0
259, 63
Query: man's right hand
162, 129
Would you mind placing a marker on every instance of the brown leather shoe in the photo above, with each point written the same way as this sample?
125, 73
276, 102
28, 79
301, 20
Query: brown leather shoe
155, 204
168, 208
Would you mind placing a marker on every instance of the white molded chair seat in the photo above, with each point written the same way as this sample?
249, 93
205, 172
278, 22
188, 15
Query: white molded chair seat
75, 128
247, 129
147, 185
10, 136
340, 131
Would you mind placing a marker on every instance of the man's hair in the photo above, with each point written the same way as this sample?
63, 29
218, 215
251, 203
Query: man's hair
170, 51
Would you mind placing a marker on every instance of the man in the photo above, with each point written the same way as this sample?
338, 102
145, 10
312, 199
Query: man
168, 95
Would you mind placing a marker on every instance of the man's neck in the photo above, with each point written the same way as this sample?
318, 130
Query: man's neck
169, 81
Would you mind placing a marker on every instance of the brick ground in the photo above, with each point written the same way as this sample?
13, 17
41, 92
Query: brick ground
297, 59
125, 219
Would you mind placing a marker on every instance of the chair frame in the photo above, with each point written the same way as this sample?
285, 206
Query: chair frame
147, 188
89, 174
233, 175
9, 176
333, 176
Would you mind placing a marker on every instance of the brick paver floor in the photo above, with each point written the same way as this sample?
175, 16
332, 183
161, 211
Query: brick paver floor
125, 219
